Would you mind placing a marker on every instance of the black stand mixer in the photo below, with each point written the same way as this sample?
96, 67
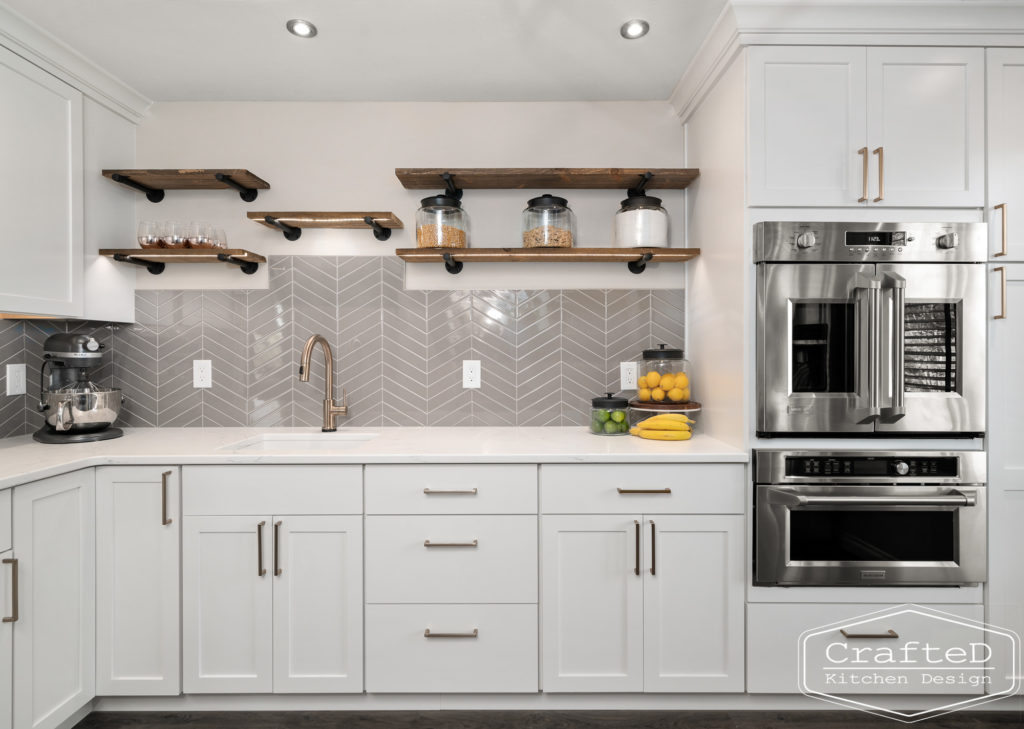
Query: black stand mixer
76, 409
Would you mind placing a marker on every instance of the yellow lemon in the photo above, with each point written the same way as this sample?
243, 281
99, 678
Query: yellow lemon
667, 382
686, 394
643, 394
682, 380
641, 382
653, 378
657, 394
676, 395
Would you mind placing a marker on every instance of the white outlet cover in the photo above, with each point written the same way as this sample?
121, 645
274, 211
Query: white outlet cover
202, 373
471, 373
15, 379
627, 375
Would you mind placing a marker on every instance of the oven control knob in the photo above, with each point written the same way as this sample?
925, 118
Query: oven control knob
947, 240
902, 469
805, 239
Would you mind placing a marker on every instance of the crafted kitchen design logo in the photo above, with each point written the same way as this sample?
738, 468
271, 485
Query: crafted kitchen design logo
894, 662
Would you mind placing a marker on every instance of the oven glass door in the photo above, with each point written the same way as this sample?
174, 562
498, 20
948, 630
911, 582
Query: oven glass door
933, 349
814, 348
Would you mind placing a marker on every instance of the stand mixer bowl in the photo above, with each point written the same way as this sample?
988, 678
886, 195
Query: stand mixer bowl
81, 411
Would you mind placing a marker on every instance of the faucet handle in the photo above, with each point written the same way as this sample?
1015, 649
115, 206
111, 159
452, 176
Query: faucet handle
344, 397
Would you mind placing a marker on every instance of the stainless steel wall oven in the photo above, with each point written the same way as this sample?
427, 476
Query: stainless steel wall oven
869, 518
870, 329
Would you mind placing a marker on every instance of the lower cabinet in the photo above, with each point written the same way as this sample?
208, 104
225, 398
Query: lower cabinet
8, 565
138, 541
634, 603
54, 633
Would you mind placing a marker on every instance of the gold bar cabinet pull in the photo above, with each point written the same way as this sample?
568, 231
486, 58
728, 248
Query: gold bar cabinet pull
1002, 251
259, 549
881, 174
277, 549
474, 634
14, 590
428, 543
435, 492
1002, 292
644, 491
636, 526
863, 152
887, 634
164, 521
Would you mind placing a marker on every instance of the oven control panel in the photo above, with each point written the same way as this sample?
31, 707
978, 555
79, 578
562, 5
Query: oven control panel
868, 466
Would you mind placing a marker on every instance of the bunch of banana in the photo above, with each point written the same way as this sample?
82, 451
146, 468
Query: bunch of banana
668, 426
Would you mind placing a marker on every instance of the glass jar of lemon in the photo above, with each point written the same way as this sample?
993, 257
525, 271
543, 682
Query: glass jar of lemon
664, 376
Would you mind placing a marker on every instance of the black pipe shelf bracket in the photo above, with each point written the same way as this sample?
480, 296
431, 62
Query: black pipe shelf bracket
638, 190
248, 267
152, 194
248, 194
451, 265
154, 267
379, 231
451, 189
640, 266
290, 232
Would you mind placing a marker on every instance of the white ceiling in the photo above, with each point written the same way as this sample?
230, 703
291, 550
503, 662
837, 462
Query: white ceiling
383, 50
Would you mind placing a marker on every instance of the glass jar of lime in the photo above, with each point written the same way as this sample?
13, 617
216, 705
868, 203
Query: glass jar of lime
608, 415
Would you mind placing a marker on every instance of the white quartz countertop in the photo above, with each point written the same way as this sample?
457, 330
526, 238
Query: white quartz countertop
23, 460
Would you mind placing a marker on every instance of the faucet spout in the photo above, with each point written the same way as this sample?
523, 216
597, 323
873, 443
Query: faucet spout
332, 410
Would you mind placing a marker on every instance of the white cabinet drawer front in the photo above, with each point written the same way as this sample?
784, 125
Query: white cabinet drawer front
620, 488
236, 490
500, 567
773, 645
461, 489
501, 657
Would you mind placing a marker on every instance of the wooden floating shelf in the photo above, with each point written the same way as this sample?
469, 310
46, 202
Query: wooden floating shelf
557, 178
635, 258
154, 182
154, 259
328, 220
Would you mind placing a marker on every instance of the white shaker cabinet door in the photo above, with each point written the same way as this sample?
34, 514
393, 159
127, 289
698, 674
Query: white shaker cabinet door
693, 603
7, 568
40, 191
807, 123
138, 524
317, 565
591, 604
926, 126
1005, 153
227, 620
54, 637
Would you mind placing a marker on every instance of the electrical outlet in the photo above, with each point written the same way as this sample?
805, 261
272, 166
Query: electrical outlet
202, 373
627, 375
16, 379
471, 373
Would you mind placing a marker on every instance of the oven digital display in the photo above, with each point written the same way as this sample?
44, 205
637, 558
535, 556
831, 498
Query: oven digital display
868, 466
876, 238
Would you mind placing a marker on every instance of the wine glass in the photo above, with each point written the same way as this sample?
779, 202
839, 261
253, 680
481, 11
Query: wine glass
220, 238
149, 234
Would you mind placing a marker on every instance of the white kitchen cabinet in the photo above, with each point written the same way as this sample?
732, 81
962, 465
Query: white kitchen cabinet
8, 565
54, 637
592, 593
1005, 208
40, 191
138, 523
693, 603
880, 126
318, 604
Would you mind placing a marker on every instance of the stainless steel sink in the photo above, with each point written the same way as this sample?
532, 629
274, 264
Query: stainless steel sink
296, 442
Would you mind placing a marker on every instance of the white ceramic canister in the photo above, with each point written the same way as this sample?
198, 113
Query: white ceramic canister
641, 222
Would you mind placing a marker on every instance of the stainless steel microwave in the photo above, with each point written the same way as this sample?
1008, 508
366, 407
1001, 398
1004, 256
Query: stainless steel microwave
870, 329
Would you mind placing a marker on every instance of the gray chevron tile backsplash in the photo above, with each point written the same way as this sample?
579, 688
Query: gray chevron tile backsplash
398, 353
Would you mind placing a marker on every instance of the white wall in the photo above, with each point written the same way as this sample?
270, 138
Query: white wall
719, 280
342, 156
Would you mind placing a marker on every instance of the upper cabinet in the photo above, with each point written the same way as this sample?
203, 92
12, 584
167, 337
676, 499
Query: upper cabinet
1005, 153
40, 191
854, 126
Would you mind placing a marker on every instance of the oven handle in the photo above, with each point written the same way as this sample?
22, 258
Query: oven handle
954, 498
873, 287
898, 284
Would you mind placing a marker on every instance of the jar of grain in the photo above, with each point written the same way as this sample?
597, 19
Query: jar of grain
548, 223
641, 222
441, 223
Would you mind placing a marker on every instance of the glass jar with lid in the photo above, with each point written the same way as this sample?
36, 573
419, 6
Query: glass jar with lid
641, 222
548, 223
609, 415
441, 223
664, 376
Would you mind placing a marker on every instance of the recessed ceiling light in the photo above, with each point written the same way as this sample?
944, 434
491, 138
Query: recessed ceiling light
633, 29
302, 28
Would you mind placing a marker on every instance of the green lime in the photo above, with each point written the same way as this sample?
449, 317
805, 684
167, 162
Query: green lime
611, 427
602, 416
596, 427
618, 416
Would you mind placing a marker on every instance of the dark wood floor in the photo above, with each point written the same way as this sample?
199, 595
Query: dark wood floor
539, 720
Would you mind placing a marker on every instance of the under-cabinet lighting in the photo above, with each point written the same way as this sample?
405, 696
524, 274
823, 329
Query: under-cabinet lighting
301, 28
633, 29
